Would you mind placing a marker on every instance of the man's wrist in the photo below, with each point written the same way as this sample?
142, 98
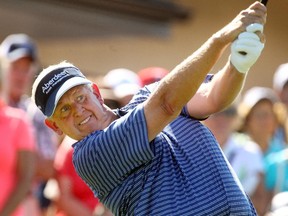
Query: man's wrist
220, 38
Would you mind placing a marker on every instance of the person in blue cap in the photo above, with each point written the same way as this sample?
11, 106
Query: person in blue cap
20, 62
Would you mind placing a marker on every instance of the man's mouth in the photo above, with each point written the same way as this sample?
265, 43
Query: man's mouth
85, 120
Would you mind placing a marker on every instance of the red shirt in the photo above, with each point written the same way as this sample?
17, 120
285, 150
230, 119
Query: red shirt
16, 134
64, 167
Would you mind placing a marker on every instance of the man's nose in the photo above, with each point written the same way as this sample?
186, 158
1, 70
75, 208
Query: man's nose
78, 109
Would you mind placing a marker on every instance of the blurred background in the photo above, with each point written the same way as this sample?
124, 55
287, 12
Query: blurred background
100, 35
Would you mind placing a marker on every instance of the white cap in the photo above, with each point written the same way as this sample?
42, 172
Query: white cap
280, 77
279, 204
254, 95
257, 93
16, 46
52, 83
123, 81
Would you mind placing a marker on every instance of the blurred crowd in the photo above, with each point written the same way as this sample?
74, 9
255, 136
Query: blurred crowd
37, 177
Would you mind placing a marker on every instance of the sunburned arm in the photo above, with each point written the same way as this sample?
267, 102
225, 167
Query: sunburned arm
175, 90
216, 95
179, 86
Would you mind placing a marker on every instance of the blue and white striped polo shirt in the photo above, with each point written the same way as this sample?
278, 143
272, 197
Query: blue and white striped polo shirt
181, 172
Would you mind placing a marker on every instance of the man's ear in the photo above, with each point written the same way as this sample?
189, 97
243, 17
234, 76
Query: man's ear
97, 93
53, 126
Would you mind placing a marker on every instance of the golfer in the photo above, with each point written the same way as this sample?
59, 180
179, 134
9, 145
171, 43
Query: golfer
153, 156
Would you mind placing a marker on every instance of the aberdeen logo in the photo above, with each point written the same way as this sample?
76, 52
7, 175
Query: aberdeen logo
46, 88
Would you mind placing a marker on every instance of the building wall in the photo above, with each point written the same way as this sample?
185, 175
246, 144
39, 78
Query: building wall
98, 45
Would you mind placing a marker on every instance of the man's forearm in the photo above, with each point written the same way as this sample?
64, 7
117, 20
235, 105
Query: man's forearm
179, 86
186, 78
225, 86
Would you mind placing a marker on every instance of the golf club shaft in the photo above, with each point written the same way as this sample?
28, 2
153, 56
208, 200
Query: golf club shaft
264, 2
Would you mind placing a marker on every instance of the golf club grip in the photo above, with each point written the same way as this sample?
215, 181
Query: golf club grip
264, 2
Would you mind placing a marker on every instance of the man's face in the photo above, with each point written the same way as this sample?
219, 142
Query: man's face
18, 78
79, 112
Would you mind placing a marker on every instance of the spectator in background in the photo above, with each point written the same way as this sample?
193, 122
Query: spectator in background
277, 171
259, 123
280, 86
108, 94
278, 163
111, 100
151, 74
124, 83
243, 154
259, 116
19, 62
75, 197
17, 153
280, 83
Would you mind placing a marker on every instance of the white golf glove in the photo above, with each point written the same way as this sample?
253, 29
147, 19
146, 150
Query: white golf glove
246, 49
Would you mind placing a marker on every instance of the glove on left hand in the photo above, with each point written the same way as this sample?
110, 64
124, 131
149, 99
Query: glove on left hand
246, 49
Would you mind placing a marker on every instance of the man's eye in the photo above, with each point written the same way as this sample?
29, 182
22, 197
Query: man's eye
80, 98
65, 109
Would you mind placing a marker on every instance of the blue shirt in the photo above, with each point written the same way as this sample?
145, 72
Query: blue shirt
181, 172
277, 171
